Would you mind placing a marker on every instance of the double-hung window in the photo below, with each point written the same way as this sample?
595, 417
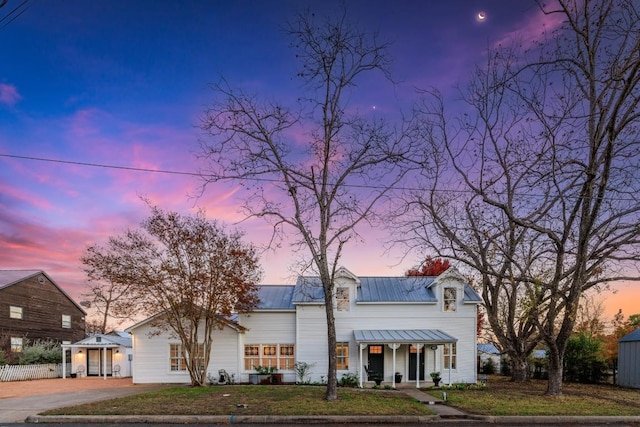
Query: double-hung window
342, 299
15, 312
342, 356
450, 299
177, 360
66, 321
450, 356
279, 356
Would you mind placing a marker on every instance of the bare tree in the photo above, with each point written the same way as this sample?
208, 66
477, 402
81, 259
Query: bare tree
187, 270
547, 157
328, 183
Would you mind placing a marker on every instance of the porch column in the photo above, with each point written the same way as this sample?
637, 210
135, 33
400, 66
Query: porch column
418, 347
394, 346
64, 362
104, 364
362, 347
450, 361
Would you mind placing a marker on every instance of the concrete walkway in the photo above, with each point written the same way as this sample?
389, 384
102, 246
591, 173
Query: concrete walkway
436, 405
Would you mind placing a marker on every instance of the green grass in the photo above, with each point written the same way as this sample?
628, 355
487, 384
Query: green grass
260, 400
502, 397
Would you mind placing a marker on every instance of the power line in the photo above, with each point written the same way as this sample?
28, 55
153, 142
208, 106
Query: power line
21, 5
101, 165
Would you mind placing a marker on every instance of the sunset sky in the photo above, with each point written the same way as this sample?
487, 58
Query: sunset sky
123, 83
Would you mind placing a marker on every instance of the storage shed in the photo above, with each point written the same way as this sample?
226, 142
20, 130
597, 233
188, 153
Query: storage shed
629, 360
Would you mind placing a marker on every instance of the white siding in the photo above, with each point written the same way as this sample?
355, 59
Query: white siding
267, 328
151, 356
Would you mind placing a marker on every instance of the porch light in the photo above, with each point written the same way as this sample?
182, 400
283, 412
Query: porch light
79, 351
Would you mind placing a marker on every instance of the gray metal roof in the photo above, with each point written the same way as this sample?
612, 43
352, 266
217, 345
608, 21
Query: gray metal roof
380, 289
403, 335
275, 297
9, 277
114, 339
633, 336
488, 348
470, 295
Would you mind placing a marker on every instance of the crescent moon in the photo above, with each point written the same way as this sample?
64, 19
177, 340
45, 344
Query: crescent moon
481, 16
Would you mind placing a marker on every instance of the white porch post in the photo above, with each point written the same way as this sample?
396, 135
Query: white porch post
104, 364
450, 361
64, 362
394, 346
418, 347
362, 347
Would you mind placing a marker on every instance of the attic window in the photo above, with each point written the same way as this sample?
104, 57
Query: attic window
450, 299
66, 321
342, 299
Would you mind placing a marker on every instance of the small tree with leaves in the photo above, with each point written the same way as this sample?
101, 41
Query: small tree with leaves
188, 269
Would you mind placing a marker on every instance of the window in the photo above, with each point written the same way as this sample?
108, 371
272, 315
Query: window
452, 356
15, 312
281, 356
251, 356
450, 299
342, 356
66, 321
177, 360
287, 356
270, 355
16, 345
342, 299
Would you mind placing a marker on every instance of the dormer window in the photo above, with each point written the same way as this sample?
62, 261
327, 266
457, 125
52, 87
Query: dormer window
342, 299
450, 299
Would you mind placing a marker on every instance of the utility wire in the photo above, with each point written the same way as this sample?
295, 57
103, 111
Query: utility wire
24, 9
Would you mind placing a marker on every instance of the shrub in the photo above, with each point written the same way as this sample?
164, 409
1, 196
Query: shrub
489, 367
349, 380
40, 352
583, 360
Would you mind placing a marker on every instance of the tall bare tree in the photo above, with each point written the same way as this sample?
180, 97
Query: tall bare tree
327, 183
546, 156
189, 271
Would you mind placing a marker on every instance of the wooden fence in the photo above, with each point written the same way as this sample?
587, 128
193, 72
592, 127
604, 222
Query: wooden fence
31, 372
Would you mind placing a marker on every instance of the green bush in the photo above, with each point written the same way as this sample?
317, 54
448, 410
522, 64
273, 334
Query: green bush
583, 360
489, 367
349, 380
3, 358
40, 352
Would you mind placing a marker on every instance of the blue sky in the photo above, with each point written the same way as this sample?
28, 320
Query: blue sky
124, 82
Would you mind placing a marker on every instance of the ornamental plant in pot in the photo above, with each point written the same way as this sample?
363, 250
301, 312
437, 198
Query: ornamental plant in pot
435, 377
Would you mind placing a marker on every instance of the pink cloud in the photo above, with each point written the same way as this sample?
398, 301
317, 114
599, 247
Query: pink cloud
9, 94
539, 26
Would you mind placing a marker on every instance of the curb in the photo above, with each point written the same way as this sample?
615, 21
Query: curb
316, 419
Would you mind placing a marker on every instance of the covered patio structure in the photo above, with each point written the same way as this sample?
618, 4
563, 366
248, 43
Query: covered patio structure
418, 339
99, 355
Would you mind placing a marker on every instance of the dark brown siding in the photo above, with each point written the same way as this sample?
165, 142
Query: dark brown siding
42, 308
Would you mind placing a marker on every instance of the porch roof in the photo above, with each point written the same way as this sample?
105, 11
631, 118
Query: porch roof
432, 336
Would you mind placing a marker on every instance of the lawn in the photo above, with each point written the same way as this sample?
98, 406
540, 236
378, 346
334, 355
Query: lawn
502, 397
258, 400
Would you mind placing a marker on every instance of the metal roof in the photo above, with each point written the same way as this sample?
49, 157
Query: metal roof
105, 340
403, 335
413, 289
488, 348
275, 297
633, 336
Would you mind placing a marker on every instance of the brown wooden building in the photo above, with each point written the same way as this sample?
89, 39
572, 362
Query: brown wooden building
32, 307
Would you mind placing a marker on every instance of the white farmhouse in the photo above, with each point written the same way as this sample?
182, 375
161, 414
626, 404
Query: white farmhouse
410, 326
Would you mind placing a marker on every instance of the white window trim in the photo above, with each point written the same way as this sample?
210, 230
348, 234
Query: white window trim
16, 312
65, 323
445, 299
261, 354
342, 303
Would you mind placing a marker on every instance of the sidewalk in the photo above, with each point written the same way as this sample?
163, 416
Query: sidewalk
436, 405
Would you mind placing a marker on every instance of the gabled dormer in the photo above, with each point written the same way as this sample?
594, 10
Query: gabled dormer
346, 289
452, 289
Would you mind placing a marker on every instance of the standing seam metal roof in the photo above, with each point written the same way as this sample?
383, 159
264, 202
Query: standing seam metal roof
403, 335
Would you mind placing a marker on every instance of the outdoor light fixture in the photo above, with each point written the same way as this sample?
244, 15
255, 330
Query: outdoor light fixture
434, 347
80, 352
117, 351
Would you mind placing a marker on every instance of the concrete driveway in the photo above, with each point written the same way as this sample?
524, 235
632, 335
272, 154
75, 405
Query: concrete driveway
19, 399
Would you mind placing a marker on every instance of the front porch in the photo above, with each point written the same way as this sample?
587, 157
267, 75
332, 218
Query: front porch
414, 354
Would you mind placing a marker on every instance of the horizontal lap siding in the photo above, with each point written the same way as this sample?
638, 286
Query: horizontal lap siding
151, 356
266, 327
312, 339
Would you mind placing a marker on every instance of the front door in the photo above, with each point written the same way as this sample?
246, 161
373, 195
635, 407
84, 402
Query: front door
413, 357
376, 360
95, 362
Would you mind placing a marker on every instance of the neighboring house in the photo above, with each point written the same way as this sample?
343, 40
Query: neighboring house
409, 325
32, 307
629, 360
100, 355
488, 352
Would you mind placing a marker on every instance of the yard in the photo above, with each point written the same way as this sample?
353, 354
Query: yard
499, 397
502, 397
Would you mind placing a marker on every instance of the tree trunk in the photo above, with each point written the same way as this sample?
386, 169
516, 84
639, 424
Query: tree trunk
332, 379
519, 368
554, 385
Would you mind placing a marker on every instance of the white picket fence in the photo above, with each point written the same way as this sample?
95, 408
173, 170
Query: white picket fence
31, 372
